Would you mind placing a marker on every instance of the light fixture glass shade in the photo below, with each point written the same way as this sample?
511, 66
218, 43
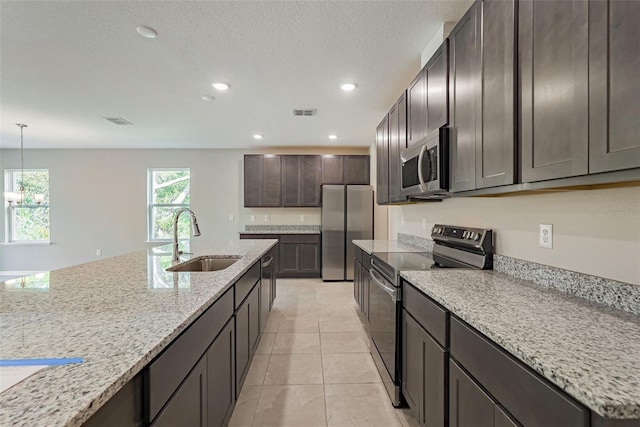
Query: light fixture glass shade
10, 196
39, 198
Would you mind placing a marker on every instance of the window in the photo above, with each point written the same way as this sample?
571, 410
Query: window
27, 220
169, 190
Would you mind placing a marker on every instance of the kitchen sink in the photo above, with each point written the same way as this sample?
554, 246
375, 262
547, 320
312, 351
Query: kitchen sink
205, 263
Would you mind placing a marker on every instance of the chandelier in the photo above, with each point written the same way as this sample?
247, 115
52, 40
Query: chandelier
19, 197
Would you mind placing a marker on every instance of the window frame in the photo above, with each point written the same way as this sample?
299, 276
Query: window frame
11, 209
151, 205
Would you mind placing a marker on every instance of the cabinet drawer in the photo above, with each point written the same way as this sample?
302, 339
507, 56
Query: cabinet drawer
245, 283
259, 236
173, 365
431, 316
526, 395
300, 238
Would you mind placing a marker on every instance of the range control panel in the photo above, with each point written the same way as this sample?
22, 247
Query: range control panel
478, 238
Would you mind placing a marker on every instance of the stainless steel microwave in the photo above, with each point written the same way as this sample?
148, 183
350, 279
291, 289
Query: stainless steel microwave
425, 166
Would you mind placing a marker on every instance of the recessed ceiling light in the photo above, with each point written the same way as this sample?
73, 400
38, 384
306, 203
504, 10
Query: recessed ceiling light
347, 87
207, 98
257, 136
147, 32
220, 86
333, 136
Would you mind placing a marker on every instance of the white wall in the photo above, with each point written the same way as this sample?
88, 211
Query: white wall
98, 200
435, 42
594, 231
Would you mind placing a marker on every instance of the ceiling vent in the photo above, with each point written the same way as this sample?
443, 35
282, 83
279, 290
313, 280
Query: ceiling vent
306, 112
118, 121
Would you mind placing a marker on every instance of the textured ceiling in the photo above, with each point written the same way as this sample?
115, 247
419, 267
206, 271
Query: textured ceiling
64, 65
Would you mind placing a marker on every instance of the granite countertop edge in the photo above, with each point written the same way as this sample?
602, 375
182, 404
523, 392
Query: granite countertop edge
283, 231
601, 405
371, 246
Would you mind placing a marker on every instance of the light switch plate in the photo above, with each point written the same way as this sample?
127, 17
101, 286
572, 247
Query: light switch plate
424, 223
252, 217
546, 236
266, 218
302, 218
230, 217
98, 252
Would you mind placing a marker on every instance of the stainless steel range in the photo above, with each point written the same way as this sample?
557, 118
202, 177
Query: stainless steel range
454, 247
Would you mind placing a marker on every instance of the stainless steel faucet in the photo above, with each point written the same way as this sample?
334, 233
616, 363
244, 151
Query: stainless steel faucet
196, 231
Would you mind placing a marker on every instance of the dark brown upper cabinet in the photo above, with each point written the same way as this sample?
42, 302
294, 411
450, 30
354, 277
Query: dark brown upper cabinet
437, 78
262, 181
301, 181
332, 169
482, 97
614, 86
356, 170
397, 143
417, 109
554, 88
382, 161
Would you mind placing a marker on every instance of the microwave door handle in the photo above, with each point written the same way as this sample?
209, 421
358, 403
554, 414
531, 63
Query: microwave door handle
423, 185
392, 292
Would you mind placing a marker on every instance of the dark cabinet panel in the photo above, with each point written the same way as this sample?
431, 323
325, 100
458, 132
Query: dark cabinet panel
495, 152
221, 380
424, 368
262, 181
469, 405
437, 79
397, 143
288, 258
502, 419
554, 64
614, 87
254, 318
309, 258
301, 180
122, 410
187, 406
332, 169
382, 161
417, 109
247, 325
268, 289
300, 259
356, 170
464, 90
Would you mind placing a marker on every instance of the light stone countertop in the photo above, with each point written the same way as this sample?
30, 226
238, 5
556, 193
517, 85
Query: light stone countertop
280, 231
590, 351
117, 314
370, 246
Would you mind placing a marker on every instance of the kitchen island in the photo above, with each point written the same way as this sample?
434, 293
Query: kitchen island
116, 314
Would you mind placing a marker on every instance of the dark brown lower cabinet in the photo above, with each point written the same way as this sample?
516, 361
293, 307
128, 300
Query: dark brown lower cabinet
424, 368
187, 406
122, 410
299, 255
469, 405
247, 334
221, 377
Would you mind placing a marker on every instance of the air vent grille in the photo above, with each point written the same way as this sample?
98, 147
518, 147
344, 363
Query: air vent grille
304, 112
118, 121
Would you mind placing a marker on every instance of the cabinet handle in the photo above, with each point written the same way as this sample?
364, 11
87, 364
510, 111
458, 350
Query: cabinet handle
380, 282
266, 261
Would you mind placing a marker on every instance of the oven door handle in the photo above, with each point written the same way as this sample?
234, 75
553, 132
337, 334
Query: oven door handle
379, 281
423, 185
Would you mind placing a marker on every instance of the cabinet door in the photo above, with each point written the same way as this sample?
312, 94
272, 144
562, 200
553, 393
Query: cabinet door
288, 258
332, 169
554, 63
291, 185
614, 87
243, 347
464, 91
221, 377
357, 274
424, 366
502, 419
495, 152
309, 258
397, 143
187, 406
253, 300
122, 410
469, 405
271, 181
310, 178
366, 282
417, 109
252, 180
356, 170
382, 161
437, 79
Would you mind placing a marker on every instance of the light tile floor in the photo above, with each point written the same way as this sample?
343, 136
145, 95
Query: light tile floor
313, 367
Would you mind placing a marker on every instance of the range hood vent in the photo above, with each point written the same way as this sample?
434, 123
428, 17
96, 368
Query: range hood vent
304, 112
118, 121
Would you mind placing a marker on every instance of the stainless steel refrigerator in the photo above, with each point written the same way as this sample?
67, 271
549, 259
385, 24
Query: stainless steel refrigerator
347, 215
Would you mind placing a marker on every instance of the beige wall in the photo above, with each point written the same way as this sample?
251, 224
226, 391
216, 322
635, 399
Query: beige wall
98, 200
594, 231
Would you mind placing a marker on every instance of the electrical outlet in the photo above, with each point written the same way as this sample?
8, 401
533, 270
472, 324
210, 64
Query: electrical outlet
253, 218
98, 252
266, 218
424, 223
401, 221
302, 218
230, 217
546, 236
